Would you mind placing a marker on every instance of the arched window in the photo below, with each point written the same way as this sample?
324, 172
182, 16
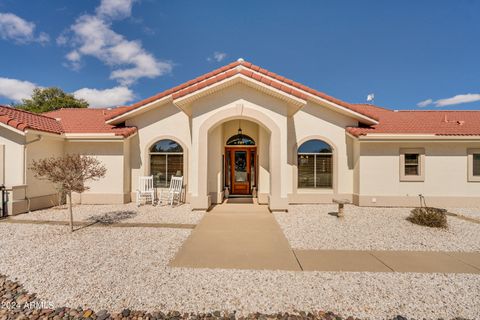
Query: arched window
166, 160
315, 164
240, 139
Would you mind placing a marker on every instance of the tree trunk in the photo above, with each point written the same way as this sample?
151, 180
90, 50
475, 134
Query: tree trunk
70, 210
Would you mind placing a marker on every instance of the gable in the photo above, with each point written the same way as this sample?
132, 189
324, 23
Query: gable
235, 91
250, 74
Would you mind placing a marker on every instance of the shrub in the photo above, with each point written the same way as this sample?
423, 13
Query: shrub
429, 217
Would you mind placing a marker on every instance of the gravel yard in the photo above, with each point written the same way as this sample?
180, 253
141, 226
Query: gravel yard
363, 228
116, 268
129, 213
468, 212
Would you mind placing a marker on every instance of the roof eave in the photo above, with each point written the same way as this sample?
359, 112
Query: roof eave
344, 110
93, 136
372, 137
320, 100
6, 126
44, 133
124, 116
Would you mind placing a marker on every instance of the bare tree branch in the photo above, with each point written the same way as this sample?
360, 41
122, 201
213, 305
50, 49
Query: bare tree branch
69, 173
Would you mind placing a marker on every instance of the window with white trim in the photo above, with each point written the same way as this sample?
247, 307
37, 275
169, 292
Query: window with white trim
315, 165
166, 161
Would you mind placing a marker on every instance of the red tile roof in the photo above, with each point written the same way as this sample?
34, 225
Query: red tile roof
63, 121
23, 120
88, 120
91, 120
250, 70
440, 123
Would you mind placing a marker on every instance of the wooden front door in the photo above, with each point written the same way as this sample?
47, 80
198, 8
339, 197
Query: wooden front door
240, 166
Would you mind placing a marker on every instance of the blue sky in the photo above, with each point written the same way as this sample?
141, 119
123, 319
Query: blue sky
115, 52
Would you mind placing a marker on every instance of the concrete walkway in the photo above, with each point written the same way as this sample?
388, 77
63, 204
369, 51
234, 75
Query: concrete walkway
246, 236
237, 236
389, 261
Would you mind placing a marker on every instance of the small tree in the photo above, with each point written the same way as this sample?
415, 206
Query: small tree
69, 173
50, 99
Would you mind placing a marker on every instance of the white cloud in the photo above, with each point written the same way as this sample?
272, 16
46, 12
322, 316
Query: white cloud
16, 90
12, 27
73, 56
92, 35
62, 39
105, 98
425, 103
74, 60
458, 99
217, 56
115, 9
43, 37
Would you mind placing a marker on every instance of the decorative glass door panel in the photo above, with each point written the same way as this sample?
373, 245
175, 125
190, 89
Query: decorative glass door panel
241, 174
238, 165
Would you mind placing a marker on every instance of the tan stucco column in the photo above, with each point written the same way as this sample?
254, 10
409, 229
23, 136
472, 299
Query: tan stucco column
277, 199
200, 199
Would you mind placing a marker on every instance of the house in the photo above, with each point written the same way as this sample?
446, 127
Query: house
252, 132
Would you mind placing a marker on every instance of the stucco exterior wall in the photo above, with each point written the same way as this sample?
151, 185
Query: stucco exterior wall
445, 183
164, 122
127, 170
109, 189
41, 193
316, 122
215, 164
17, 153
249, 128
12, 169
263, 165
356, 167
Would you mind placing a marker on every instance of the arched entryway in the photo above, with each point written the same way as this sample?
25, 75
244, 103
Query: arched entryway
208, 151
240, 162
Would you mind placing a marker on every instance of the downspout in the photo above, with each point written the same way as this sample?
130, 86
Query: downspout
38, 138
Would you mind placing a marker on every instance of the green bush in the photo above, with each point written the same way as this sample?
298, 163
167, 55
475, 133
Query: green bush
429, 217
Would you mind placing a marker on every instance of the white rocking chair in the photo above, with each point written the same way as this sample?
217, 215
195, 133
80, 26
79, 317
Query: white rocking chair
145, 190
173, 193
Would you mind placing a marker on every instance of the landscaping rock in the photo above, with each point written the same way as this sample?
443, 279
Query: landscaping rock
369, 228
134, 261
9, 290
125, 312
102, 315
87, 313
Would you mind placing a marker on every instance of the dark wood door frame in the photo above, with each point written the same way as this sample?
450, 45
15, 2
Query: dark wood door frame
240, 188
